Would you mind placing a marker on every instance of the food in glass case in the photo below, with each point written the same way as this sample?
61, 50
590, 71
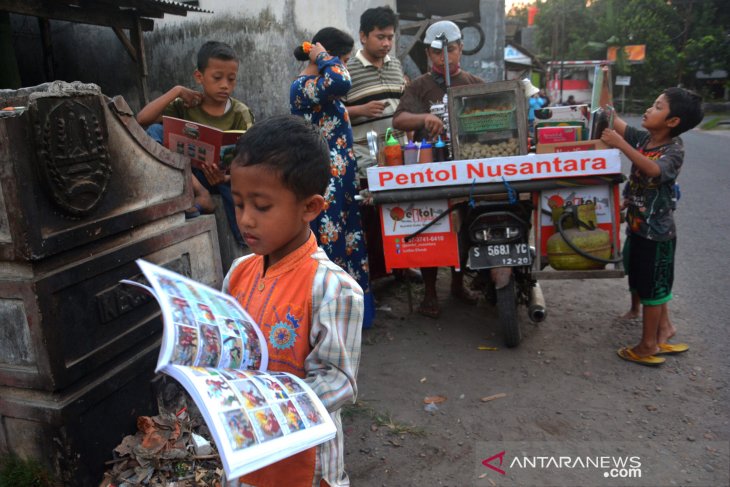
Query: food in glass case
476, 150
483, 109
486, 118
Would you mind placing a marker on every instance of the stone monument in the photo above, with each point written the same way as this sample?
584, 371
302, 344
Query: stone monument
83, 194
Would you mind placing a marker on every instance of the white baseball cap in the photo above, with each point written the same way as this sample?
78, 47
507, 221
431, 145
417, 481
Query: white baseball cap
438, 31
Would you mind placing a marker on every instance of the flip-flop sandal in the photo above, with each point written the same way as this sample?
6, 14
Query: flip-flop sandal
627, 354
671, 348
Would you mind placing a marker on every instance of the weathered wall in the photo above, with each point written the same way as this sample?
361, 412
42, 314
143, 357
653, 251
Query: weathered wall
488, 62
263, 32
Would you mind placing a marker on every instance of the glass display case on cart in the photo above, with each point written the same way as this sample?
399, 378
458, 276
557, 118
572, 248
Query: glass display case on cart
488, 120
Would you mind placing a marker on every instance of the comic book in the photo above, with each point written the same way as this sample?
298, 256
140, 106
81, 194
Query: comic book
201, 143
218, 353
601, 119
602, 112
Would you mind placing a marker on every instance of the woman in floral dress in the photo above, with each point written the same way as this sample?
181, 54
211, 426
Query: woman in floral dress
315, 95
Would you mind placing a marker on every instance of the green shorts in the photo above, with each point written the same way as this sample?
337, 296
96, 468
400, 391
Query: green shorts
650, 267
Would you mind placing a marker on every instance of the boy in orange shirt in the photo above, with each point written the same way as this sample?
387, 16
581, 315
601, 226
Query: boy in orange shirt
309, 309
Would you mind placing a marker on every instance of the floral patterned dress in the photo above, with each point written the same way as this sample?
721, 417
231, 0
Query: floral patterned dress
339, 228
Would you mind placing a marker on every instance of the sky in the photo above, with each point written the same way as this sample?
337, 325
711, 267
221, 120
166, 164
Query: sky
509, 3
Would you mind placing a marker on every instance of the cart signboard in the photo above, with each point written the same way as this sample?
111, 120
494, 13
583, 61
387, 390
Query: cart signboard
436, 246
495, 170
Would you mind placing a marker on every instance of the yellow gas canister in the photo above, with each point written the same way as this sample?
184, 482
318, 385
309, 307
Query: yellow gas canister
583, 234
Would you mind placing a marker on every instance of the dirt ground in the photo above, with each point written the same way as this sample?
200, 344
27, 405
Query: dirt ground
563, 389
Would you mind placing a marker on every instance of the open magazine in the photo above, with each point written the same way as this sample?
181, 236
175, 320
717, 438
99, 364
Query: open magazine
201, 143
218, 353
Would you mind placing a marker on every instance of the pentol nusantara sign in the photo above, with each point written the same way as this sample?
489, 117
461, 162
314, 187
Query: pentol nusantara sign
477, 171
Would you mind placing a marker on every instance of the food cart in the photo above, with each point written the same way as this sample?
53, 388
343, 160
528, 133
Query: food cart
490, 166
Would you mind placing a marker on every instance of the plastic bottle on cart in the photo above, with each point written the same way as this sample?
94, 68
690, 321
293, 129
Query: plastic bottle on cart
410, 153
425, 152
440, 152
392, 151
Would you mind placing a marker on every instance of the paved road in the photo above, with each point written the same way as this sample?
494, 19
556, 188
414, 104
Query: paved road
703, 270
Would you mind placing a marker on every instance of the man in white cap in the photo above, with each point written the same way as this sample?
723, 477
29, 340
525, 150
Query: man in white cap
414, 113
414, 109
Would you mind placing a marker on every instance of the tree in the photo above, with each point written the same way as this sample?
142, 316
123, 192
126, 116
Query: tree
564, 26
681, 37
707, 47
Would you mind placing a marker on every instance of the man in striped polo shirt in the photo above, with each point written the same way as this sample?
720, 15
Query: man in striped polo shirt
377, 82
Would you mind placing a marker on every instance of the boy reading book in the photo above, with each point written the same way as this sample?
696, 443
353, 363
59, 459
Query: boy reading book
217, 69
217, 352
309, 310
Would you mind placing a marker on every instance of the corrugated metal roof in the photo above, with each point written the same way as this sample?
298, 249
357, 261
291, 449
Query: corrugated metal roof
153, 8
114, 13
172, 3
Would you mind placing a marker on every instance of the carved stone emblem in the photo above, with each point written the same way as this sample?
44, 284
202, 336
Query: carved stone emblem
71, 141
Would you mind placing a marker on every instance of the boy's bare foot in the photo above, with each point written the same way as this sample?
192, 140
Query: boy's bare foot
642, 351
665, 333
630, 315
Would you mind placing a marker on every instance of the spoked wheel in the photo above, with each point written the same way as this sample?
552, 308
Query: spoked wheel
507, 310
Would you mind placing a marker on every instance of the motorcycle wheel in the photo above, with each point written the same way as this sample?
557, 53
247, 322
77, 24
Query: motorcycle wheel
507, 310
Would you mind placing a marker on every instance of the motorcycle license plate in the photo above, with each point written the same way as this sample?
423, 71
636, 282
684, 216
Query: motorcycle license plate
499, 255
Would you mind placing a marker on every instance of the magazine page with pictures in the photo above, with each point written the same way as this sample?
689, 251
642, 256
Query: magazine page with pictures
256, 418
213, 348
203, 327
